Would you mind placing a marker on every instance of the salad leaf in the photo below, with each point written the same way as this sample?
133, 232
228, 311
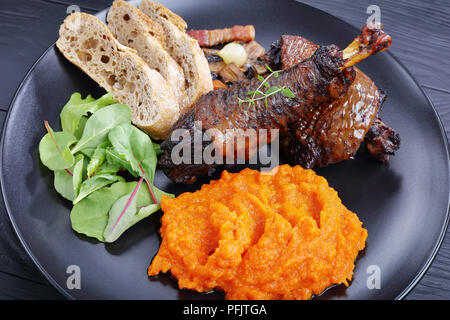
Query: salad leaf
54, 149
136, 148
112, 157
97, 159
95, 183
119, 223
121, 214
81, 124
90, 216
144, 212
69, 122
88, 152
73, 113
100, 123
78, 174
97, 141
158, 194
108, 168
157, 148
63, 181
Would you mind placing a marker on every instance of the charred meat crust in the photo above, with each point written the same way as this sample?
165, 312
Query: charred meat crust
325, 138
295, 49
315, 81
316, 129
373, 37
333, 132
305, 154
273, 57
381, 141
186, 173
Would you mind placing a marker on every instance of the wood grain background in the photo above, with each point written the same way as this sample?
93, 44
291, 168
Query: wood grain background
421, 30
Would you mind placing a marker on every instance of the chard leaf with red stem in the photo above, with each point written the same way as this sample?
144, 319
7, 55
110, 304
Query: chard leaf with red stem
54, 149
136, 147
100, 123
122, 214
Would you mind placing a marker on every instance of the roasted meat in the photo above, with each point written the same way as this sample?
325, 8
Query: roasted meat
289, 51
295, 49
381, 141
317, 80
333, 132
310, 118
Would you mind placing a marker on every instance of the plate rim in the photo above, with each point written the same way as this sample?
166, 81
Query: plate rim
28, 250
444, 228
66, 294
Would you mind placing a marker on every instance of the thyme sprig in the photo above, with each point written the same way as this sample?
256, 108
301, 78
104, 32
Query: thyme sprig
259, 94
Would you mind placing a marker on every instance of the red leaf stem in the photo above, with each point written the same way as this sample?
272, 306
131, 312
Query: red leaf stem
47, 127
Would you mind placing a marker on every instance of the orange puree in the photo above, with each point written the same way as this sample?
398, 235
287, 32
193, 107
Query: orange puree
284, 235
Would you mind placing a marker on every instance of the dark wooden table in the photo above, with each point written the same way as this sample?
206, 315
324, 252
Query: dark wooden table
421, 33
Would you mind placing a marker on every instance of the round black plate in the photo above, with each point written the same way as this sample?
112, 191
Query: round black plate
403, 205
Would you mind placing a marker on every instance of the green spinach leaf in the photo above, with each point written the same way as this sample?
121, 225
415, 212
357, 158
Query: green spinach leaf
100, 123
97, 159
121, 214
54, 149
95, 183
63, 181
112, 157
90, 216
136, 148
107, 167
157, 148
73, 113
88, 152
78, 174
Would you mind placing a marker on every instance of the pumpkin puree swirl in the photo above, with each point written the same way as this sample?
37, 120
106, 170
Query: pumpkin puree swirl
284, 235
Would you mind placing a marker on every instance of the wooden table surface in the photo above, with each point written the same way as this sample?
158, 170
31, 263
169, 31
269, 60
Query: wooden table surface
421, 33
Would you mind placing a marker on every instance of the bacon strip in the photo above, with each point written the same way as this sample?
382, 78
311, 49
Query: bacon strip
208, 38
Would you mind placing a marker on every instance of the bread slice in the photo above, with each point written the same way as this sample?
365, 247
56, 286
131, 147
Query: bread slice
136, 30
184, 49
158, 10
88, 43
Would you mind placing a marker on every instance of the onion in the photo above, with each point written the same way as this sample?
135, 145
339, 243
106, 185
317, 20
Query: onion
233, 53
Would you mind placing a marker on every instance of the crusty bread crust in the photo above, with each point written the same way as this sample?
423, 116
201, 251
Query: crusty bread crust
183, 49
87, 42
136, 30
157, 9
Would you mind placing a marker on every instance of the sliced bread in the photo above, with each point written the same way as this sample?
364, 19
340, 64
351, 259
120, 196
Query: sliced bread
87, 42
156, 9
136, 30
184, 49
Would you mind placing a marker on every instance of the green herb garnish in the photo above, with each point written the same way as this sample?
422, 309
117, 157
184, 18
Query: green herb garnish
259, 94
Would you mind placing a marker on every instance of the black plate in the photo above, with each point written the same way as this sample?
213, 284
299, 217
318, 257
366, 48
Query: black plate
404, 205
